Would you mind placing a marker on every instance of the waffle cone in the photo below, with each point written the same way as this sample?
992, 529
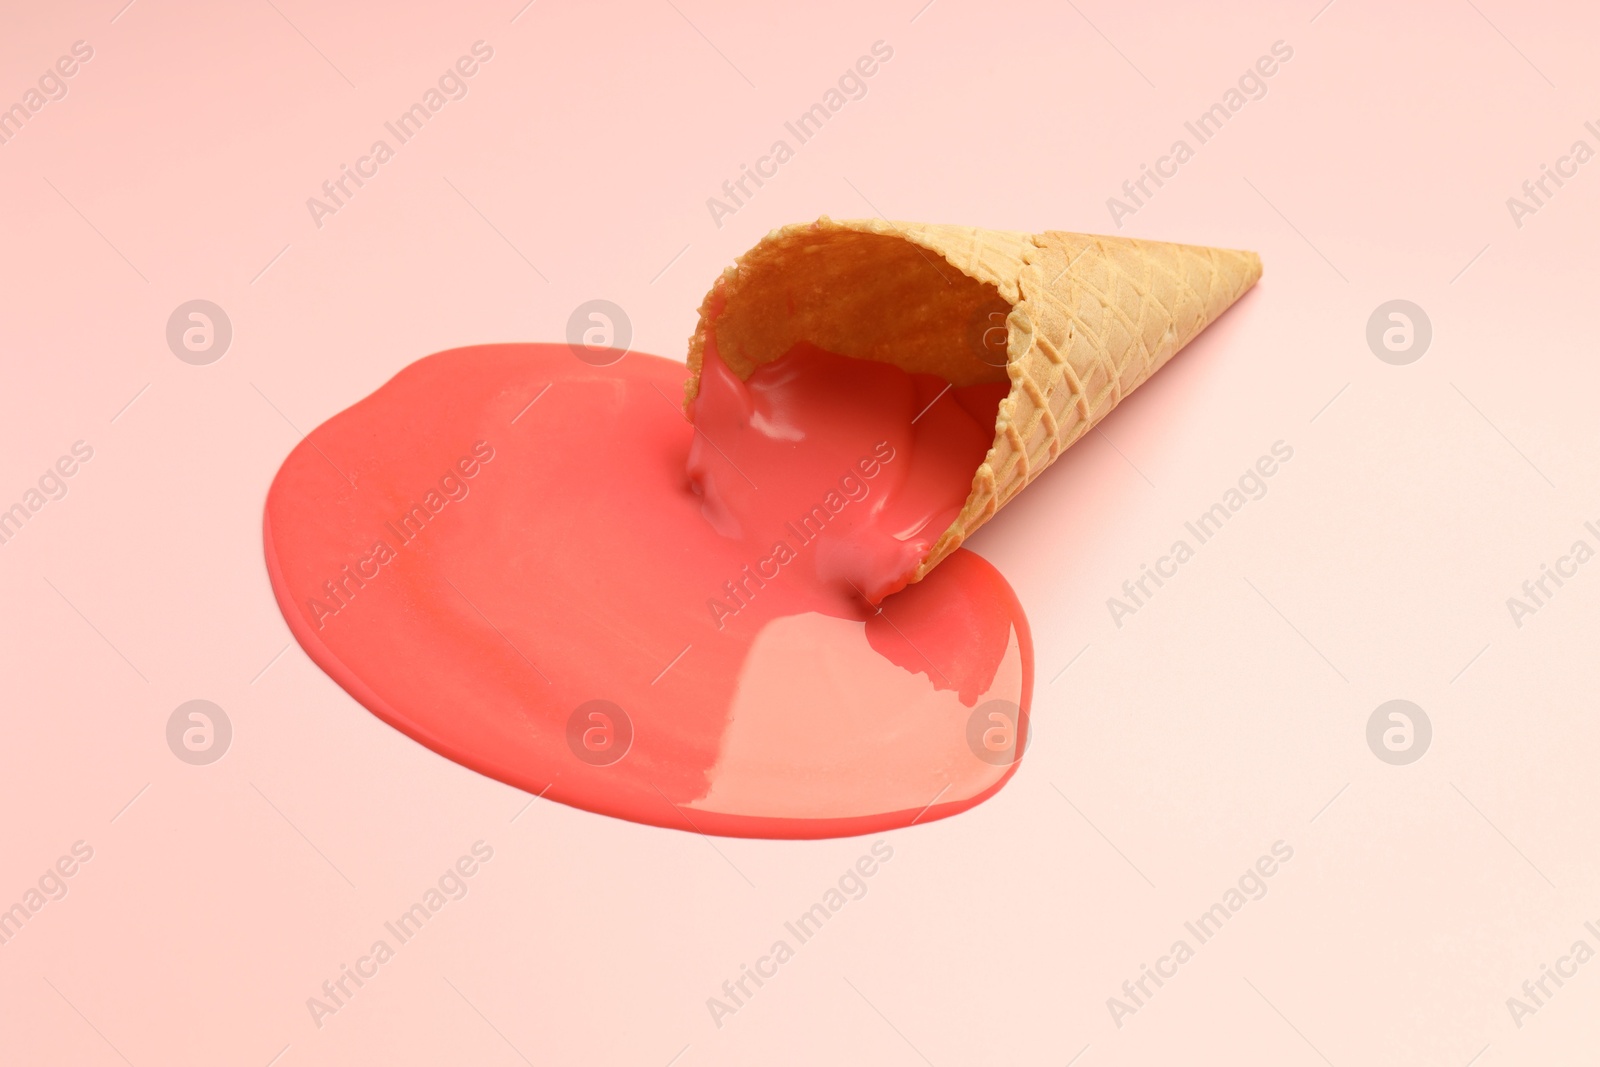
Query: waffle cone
1085, 321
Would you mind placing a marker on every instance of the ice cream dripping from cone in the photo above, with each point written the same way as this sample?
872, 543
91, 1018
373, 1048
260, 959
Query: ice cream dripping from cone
1074, 322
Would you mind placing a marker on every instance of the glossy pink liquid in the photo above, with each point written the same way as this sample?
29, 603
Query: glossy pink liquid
540, 570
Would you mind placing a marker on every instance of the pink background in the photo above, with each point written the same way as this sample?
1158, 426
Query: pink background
1228, 714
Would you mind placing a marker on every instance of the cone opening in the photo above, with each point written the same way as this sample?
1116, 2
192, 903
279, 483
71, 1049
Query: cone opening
875, 296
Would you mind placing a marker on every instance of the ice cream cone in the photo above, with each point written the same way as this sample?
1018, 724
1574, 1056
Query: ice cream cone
1074, 321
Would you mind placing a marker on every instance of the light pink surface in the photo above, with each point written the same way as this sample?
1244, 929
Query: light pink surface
1170, 753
